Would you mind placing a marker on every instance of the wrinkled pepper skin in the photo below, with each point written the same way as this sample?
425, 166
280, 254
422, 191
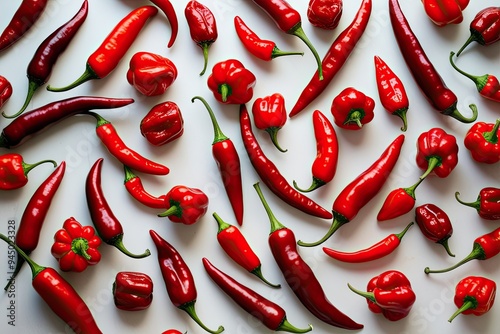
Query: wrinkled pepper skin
269, 114
150, 73
435, 224
14, 171
5, 90
185, 205
482, 142
487, 203
231, 82
132, 291
437, 152
484, 28
162, 124
444, 12
351, 109
474, 295
325, 14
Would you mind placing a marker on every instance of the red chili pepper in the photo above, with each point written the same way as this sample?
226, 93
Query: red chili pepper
391, 90
162, 124
59, 295
30, 225
484, 28
435, 224
5, 90
107, 56
389, 293
179, 280
75, 246
25, 17
231, 82
425, 74
134, 187
324, 166
482, 142
442, 13
271, 176
150, 73
325, 14
398, 202
484, 247
132, 291
437, 153
35, 121
474, 295
202, 27
299, 275
239, 250
289, 21
269, 114
111, 139
269, 313
487, 203
335, 57
168, 9
185, 205
14, 171
172, 331
261, 48
41, 64
107, 225
361, 190
228, 162
377, 251
351, 109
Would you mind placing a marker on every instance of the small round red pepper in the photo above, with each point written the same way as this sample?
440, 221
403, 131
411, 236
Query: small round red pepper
150, 73
185, 205
172, 331
269, 114
75, 246
487, 203
162, 124
398, 202
484, 28
437, 152
352, 108
443, 12
435, 224
231, 82
325, 14
14, 171
132, 291
474, 295
5, 90
482, 142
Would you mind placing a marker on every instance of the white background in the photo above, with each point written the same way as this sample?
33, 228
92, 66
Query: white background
192, 164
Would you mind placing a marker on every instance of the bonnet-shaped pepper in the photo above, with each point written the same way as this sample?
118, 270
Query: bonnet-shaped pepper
435, 224
14, 171
474, 295
132, 291
270, 115
482, 142
444, 12
325, 14
162, 124
150, 73
185, 205
231, 82
484, 28
487, 203
352, 108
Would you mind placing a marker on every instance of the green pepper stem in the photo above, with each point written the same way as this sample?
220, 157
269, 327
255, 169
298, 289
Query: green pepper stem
338, 221
218, 134
118, 243
433, 162
280, 53
453, 112
479, 81
258, 272
273, 133
89, 74
222, 224
444, 242
492, 136
299, 32
79, 246
129, 174
28, 167
411, 190
355, 116
275, 224
286, 326
225, 92
316, 183
173, 210
465, 306
469, 40
367, 295
476, 205
190, 310
35, 267
19, 263
32, 87
205, 47
477, 253
401, 113
401, 234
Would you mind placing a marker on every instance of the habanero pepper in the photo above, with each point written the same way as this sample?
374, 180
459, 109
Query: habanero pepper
132, 291
179, 280
335, 57
185, 205
389, 293
487, 203
162, 124
474, 295
5, 90
114, 47
435, 224
271, 176
361, 190
231, 82
423, 71
299, 275
106, 223
351, 109
202, 27
325, 14
269, 313
235, 245
14, 171
168, 9
484, 28
269, 114
482, 142
324, 166
133, 185
228, 163
442, 13
59, 295
261, 48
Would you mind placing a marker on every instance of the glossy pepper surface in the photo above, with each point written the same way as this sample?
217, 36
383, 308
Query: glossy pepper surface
482, 142
269, 114
134, 186
5, 90
444, 12
389, 293
75, 246
325, 14
437, 152
435, 224
163, 123
351, 109
484, 28
150, 73
398, 202
474, 295
132, 291
185, 205
487, 203
168, 9
14, 171
231, 82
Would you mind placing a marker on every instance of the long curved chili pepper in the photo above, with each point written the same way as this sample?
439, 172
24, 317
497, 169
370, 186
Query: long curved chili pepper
107, 56
270, 174
179, 280
299, 275
335, 57
30, 225
59, 295
261, 48
168, 9
425, 74
228, 162
382, 248
361, 190
289, 21
324, 166
106, 224
33, 122
134, 186
111, 139
26, 15
40, 67
269, 313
